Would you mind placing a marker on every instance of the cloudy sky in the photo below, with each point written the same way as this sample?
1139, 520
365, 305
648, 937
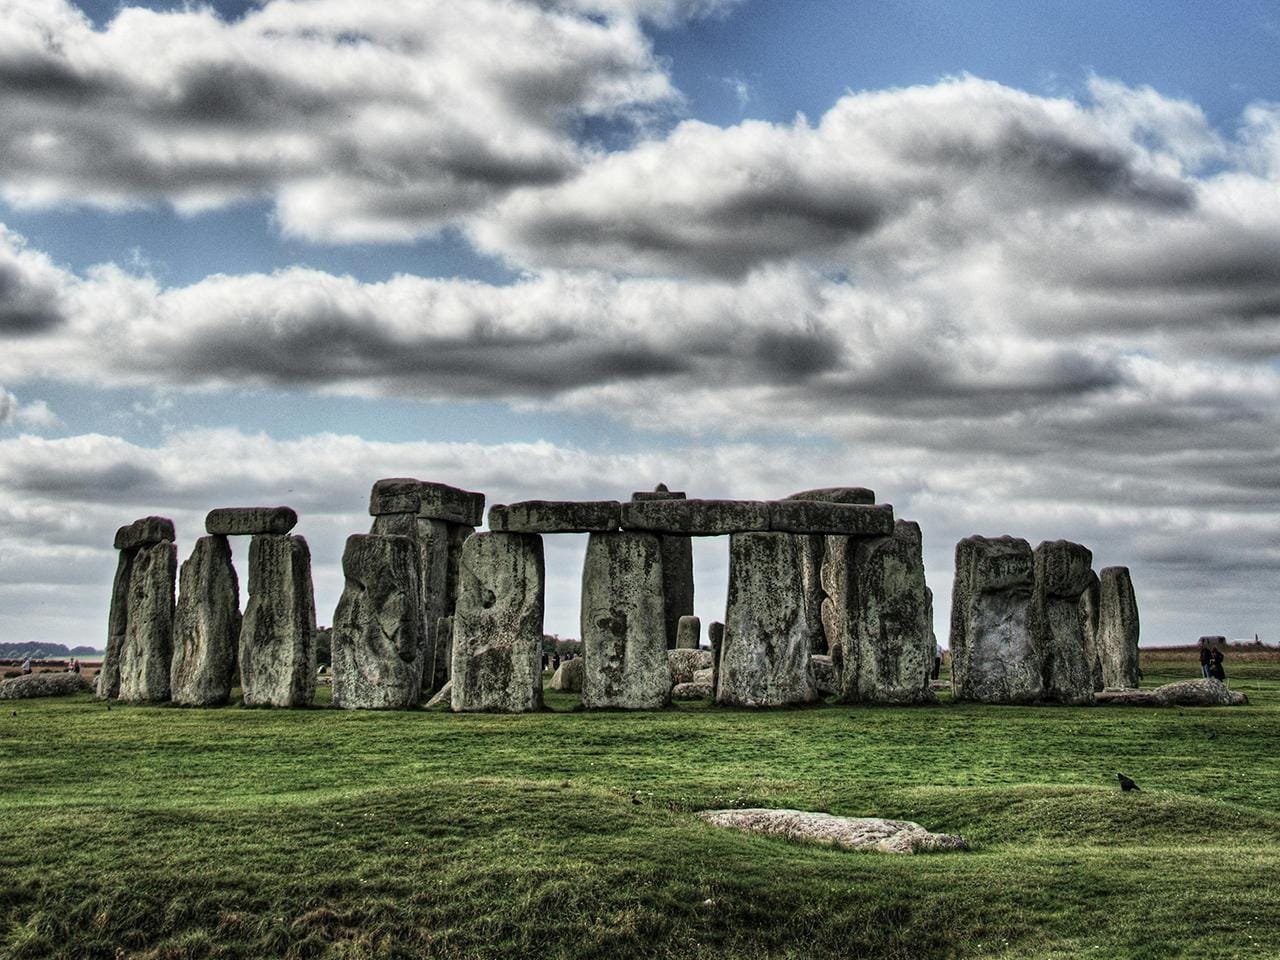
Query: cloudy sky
1016, 266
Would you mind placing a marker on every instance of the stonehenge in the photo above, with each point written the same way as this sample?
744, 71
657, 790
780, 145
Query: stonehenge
826, 598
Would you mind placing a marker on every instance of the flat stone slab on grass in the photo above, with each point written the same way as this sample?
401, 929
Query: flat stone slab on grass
43, 685
1184, 693
696, 518
850, 833
698, 690
435, 501
832, 519
144, 532
556, 516
246, 521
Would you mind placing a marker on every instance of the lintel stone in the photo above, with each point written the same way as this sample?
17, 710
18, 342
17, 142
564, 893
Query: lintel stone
247, 521
833, 519
697, 518
143, 532
556, 516
837, 495
434, 501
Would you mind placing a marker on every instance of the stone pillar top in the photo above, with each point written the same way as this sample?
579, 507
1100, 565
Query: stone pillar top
433, 501
837, 495
247, 521
145, 531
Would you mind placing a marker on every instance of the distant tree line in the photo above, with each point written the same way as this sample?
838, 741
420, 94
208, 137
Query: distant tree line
44, 651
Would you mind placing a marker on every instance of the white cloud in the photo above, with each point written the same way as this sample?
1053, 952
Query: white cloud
35, 414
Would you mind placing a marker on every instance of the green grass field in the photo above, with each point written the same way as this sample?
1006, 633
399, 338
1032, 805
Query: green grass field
162, 832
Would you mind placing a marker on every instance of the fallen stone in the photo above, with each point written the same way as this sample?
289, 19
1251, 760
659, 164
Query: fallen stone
278, 631
206, 627
689, 633
43, 685
1184, 693
764, 660
441, 696
831, 519
825, 676
888, 653
624, 639
434, 501
556, 516
837, 495
568, 676
683, 664
497, 626
246, 521
1061, 628
697, 690
994, 658
144, 532
1118, 629
850, 833
377, 626
696, 518
146, 651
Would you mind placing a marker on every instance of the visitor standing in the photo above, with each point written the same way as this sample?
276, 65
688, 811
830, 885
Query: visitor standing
1206, 658
1216, 669
26, 666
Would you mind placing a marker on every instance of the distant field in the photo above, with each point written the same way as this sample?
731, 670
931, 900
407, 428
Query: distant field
159, 832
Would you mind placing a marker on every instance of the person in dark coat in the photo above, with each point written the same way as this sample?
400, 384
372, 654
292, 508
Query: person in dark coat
1206, 659
1215, 668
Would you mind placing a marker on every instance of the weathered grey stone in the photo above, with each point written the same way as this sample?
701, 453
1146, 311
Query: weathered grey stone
247, 521
812, 547
568, 676
556, 516
377, 627
1090, 607
683, 664
765, 658
889, 651
144, 532
278, 631
442, 695
831, 519
1118, 629
1185, 693
696, 518
660, 492
705, 675
993, 654
434, 501
146, 652
206, 628
43, 685
825, 676
434, 539
697, 690
497, 626
444, 644
108, 682
677, 568
851, 833
837, 495
715, 634
1060, 625
689, 633
624, 639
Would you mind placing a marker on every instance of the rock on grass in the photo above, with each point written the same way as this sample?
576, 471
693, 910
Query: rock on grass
43, 685
850, 833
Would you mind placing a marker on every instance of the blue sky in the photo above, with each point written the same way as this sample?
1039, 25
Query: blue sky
1035, 301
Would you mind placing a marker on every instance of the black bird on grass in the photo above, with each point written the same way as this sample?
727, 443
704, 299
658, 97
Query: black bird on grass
1126, 784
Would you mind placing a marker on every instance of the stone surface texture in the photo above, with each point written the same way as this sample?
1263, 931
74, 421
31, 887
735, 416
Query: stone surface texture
1060, 623
497, 625
689, 633
1184, 693
825, 676
715, 634
443, 695
696, 518
206, 629
850, 833
146, 651
831, 519
624, 637
108, 682
278, 631
556, 516
377, 627
861, 495
697, 690
764, 661
888, 653
433, 501
568, 676
677, 569
1118, 629
144, 532
434, 539
683, 664
247, 521
43, 685
994, 656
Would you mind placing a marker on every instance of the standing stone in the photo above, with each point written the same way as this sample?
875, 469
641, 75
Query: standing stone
497, 626
277, 634
765, 658
146, 652
108, 683
891, 651
456, 535
444, 639
689, 633
431, 539
993, 654
378, 624
624, 639
677, 568
207, 626
824, 570
1090, 606
715, 633
129, 540
1063, 573
1118, 629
